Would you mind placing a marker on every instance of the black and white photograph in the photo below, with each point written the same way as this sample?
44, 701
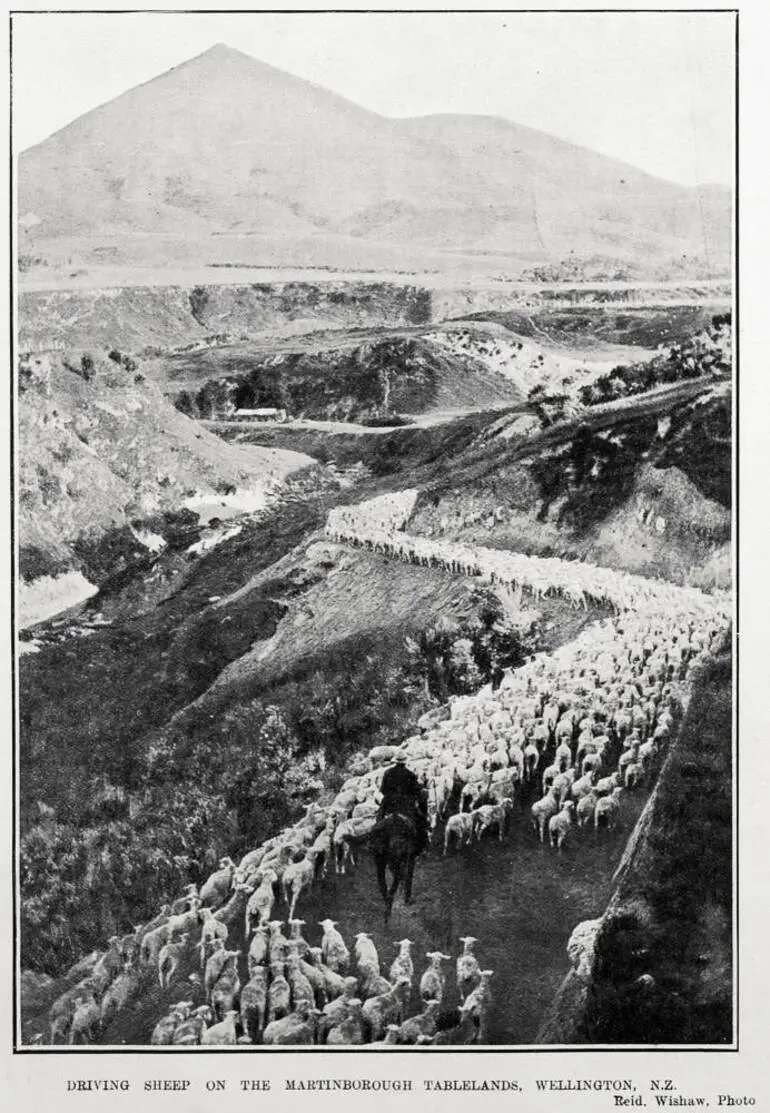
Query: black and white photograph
374, 530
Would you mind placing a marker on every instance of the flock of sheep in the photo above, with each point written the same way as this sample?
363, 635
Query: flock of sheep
576, 728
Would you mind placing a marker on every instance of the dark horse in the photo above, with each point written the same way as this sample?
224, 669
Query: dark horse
394, 844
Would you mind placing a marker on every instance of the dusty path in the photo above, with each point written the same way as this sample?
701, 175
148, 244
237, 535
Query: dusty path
521, 900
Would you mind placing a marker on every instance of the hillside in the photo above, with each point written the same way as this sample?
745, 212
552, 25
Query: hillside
226, 159
101, 449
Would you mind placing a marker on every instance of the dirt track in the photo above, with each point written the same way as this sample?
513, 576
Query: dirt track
521, 900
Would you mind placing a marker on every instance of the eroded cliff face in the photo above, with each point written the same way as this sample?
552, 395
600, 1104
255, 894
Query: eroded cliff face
102, 450
145, 317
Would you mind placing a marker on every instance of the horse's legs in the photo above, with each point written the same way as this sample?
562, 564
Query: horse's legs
381, 879
409, 875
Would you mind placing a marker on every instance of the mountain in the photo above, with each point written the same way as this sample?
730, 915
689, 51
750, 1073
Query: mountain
227, 159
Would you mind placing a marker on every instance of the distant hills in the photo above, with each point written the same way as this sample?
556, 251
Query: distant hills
226, 159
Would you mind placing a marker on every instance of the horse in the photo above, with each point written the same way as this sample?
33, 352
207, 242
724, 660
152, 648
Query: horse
394, 843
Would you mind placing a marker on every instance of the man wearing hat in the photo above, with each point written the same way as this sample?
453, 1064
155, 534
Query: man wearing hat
402, 793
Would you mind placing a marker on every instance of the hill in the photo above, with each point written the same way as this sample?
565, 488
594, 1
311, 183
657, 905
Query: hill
224, 158
100, 449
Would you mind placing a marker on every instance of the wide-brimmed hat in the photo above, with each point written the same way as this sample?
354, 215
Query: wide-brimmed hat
401, 759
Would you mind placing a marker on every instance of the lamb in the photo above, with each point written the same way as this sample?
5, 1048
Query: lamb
402, 965
542, 812
433, 980
335, 953
607, 809
253, 1003
261, 901
169, 959
221, 1033
468, 970
215, 889
386, 1008
460, 827
560, 825
296, 877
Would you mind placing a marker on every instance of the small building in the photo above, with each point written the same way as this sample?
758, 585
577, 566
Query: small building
265, 413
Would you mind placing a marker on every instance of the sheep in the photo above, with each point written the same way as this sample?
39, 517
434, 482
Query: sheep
334, 984
86, 1020
169, 959
119, 993
351, 1029
562, 786
542, 812
478, 1004
296, 877
234, 910
468, 970
605, 785
335, 953
185, 922
296, 1028
580, 947
296, 938
189, 1031
560, 825
402, 965
216, 963
336, 1011
258, 948
389, 1040
224, 993
365, 953
386, 1008
214, 890
608, 809
633, 776
583, 786
585, 809
424, 1024
261, 901
465, 1031
278, 944
212, 929
460, 827
433, 980
221, 1033
279, 994
164, 1031
302, 992
152, 942
347, 835
490, 816
183, 903
253, 1003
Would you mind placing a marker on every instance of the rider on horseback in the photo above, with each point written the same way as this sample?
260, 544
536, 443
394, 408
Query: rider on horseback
402, 793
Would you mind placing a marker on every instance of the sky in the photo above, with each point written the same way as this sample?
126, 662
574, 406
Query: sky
652, 89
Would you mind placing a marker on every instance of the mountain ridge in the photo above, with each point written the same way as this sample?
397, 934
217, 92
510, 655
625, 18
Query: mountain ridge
224, 143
